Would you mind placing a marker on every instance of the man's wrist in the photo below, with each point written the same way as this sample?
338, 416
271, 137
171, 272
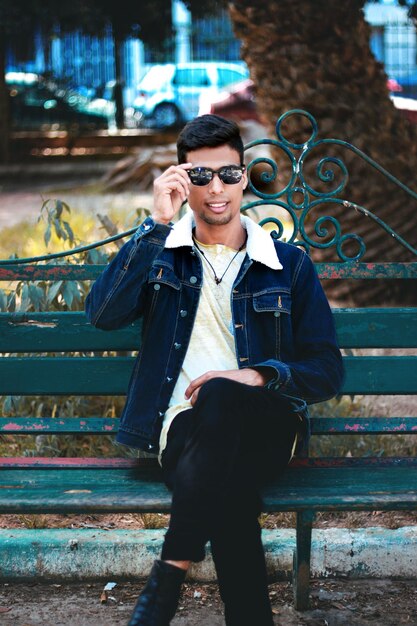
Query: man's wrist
266, 374
159, 219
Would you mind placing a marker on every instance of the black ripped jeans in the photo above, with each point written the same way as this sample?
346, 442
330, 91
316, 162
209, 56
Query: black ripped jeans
218, 454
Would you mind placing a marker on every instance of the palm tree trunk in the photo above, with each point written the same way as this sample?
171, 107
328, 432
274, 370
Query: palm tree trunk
316, 56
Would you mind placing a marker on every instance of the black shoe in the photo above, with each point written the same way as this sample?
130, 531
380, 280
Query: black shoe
159, 599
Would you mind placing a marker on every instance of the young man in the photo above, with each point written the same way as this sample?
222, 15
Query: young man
237, 338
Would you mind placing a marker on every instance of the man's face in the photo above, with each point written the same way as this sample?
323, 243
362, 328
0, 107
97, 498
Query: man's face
216, 203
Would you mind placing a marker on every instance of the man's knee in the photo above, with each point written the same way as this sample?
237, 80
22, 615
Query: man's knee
219, 388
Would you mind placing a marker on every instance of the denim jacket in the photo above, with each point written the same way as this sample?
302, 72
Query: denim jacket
280, 314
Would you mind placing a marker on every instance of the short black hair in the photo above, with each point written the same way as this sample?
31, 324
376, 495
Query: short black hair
209, 131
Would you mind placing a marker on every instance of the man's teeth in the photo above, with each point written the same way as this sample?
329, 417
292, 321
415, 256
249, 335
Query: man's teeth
218, 204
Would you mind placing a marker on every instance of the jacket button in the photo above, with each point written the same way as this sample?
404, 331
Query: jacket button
193, 280
157, 287
277, 313
177, 346
183, 313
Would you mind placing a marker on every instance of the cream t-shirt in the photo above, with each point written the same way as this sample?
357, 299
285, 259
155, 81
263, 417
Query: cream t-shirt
212, 342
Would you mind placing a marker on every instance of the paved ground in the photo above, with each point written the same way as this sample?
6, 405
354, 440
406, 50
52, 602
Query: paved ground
334, 603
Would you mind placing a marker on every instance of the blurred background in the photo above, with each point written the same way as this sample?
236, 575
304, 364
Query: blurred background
93, 70
93, 93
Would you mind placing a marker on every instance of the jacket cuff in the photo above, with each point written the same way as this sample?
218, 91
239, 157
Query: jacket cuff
282, 377
159, 231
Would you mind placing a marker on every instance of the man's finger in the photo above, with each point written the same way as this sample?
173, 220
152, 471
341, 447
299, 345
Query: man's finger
195, 396
195, 384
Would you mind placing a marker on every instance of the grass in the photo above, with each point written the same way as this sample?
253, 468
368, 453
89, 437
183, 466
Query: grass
33, 521
26, 238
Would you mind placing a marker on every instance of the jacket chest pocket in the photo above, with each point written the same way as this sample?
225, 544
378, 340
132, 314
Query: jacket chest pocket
273, 312
275, 302
160, 275
162, 282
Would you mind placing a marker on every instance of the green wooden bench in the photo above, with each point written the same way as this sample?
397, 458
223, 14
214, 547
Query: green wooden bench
59, 353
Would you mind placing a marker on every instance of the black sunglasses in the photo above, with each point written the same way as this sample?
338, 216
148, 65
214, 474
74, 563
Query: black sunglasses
229, 174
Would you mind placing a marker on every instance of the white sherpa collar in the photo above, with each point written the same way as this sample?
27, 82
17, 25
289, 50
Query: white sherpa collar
259, 246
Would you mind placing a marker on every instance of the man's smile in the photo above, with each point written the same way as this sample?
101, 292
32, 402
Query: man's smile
217, 207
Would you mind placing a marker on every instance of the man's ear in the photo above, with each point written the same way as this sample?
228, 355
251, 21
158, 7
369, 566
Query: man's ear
245, 180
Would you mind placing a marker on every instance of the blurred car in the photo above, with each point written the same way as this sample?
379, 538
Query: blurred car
393, 85
38, 103
408, 84
170, 94
238, 102
407, 106
101, 102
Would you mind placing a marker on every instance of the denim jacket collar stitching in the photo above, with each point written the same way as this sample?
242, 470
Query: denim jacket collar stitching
260, 246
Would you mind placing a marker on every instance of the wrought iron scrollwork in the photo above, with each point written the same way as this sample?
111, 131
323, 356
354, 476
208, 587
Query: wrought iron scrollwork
300, 199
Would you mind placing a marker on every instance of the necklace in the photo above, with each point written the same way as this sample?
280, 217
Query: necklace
218, 279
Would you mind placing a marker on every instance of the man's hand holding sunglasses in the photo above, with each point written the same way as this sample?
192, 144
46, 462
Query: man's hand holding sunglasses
170, 191
171, 188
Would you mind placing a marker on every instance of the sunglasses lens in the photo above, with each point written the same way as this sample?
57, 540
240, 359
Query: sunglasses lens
230, 175
200, 176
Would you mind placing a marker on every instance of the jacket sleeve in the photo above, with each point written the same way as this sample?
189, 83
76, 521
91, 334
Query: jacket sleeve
117, 296
316, 373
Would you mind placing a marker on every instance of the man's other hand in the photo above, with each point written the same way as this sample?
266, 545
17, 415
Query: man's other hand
248, 376
170, 190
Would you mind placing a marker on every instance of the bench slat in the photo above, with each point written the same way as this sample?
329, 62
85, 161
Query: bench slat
338, 270
103, 376
109, 425
376, 328
103, 463
70, 331
58, 425
62, 332
122, 490
363, 425
50, 272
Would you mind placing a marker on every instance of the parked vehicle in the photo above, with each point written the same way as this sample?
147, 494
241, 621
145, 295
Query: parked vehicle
409, 85
170, 94
407, 106
393, 85
238, 102
39, 103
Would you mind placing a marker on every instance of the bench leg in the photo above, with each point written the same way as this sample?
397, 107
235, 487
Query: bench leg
301, 564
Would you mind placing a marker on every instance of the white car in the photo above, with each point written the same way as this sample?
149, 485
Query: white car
171, 94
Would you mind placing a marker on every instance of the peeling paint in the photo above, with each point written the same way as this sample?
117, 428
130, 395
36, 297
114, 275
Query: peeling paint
34, 323
65, 554
13, 426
